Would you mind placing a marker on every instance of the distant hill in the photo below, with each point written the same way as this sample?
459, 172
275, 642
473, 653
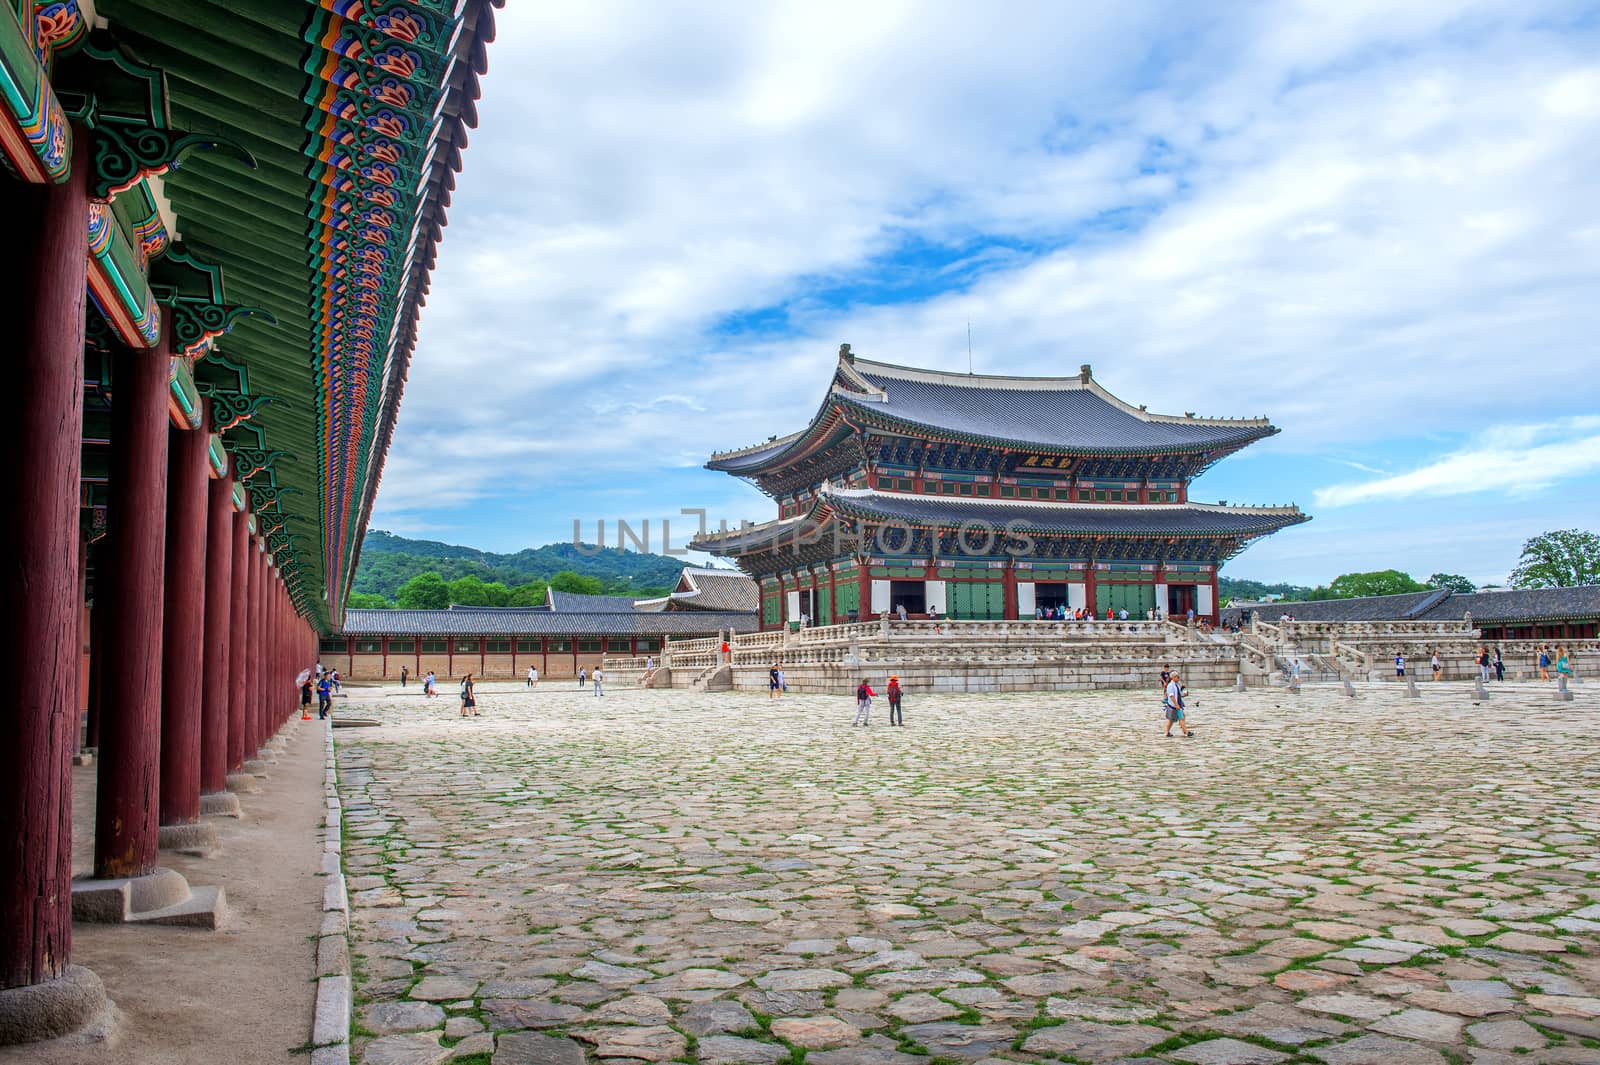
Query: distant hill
1240, 588
388, 561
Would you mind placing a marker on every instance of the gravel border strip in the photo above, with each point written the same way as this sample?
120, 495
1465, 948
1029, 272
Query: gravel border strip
330, 1030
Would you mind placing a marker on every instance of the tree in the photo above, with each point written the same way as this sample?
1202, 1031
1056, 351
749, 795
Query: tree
425, 591
364, 601
577, 583
469, 591
1561, 559
530, 594
1378, 582
1453, 581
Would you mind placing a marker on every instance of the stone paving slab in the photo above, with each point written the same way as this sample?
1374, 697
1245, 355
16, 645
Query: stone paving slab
673, 876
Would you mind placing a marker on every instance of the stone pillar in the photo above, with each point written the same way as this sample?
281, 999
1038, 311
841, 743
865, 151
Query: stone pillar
217, 684
127, 800
183, 637
238, 635
41, 439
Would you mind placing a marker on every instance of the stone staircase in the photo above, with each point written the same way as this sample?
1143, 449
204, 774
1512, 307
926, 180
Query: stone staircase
717, 678
1318, 669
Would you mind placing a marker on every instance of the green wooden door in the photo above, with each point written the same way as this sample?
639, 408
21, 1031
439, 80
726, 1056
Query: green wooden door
1134, 598
975, 600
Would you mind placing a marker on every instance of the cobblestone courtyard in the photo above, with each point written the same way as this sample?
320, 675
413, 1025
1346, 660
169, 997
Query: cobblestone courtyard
666, 876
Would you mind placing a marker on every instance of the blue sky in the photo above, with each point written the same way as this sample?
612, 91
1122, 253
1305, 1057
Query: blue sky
1373, 222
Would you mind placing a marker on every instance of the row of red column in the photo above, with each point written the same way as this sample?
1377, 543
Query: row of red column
195, 639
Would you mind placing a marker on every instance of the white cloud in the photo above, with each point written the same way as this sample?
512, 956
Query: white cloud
1363, 219
1505, 460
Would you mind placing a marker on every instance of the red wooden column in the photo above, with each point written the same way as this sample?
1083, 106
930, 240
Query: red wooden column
128, 798
252, 652
40, 438
183, 623
1009, 577
216, 683
97, 658
269, 650
238, 633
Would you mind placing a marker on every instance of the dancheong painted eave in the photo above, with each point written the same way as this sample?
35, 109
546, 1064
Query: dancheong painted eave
870, 507
1061, 415
355, 116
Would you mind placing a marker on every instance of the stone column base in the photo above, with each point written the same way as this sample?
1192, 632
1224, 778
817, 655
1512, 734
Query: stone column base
162, 896
83, 757
243, 783
256, 767
196, 838
73, 1002
221, 804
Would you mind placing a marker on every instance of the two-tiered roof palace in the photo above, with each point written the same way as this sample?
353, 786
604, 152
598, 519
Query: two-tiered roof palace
974, 496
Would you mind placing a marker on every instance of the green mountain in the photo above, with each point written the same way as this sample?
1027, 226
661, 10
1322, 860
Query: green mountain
388, 561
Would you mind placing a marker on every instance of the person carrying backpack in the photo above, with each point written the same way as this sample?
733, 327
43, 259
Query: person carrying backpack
1172, 706
864, 694
894, 694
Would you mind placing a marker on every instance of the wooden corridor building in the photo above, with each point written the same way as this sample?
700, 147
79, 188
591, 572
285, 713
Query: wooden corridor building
224, 220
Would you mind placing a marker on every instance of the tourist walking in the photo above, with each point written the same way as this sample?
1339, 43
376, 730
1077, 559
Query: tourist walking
583, 676
864, 694
430, 685
1499, 665
469, 700
894, 693
774, 683
902, 611
305, 695
336, 681
1399, 665
324, 697
404, 673
1295, 671
533, 677
1434, 662
599, 682
1544, 662
1483, 663
1563, 666
1173, 708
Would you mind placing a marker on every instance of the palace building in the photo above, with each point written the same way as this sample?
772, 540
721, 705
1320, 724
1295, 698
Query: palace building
570, 632
972, 496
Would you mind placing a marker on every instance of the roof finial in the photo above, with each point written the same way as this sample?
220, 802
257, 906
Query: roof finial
844, 354
1085, 373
